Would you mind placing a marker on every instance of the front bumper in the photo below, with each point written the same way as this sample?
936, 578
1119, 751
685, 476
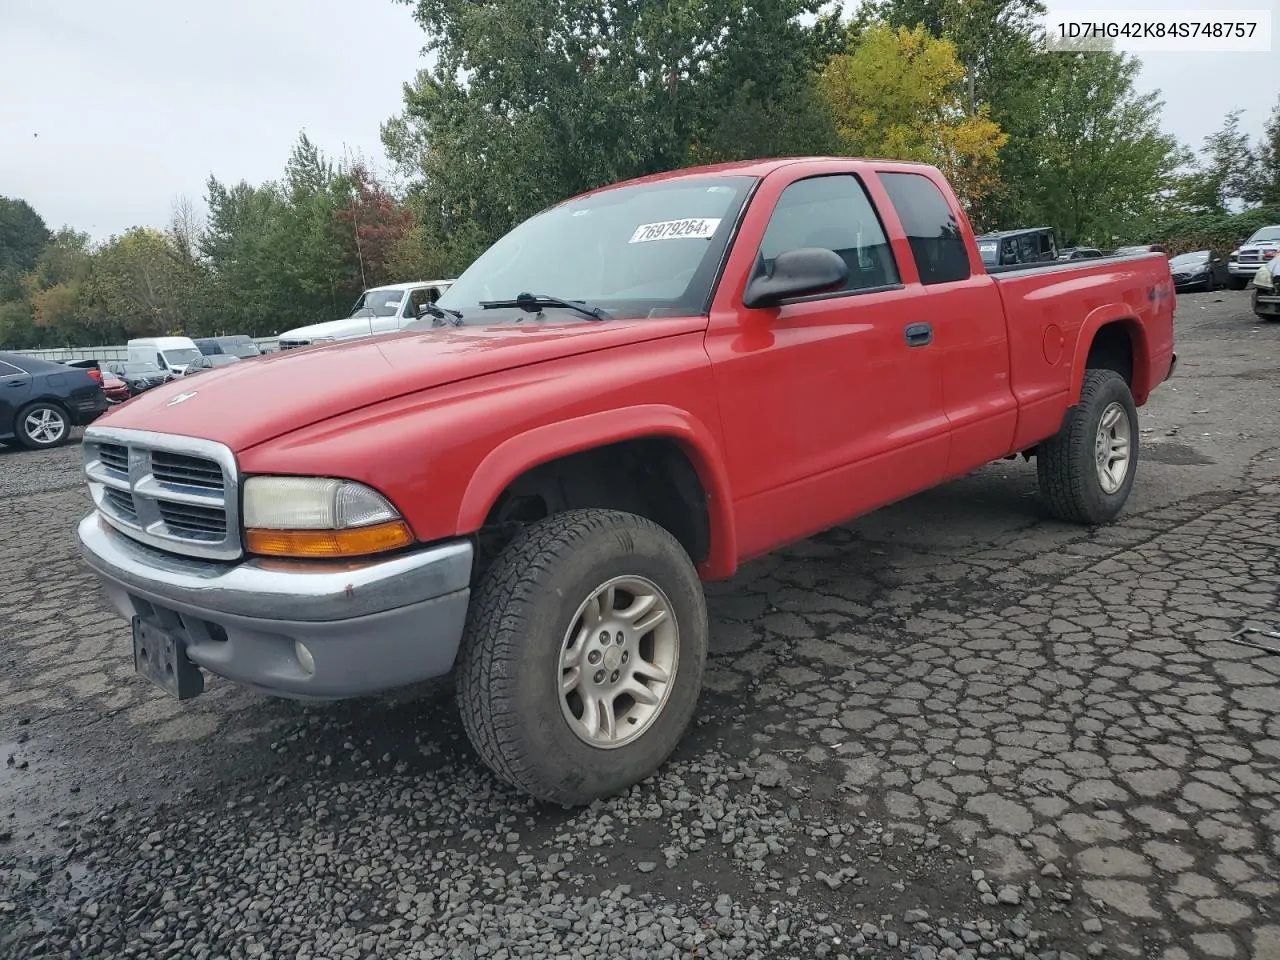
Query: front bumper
1266, 303
369, 627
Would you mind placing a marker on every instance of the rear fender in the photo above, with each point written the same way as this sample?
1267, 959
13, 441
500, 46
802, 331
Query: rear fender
523, 452
1113, 313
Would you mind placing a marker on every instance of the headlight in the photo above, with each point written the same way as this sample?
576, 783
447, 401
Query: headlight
319, 517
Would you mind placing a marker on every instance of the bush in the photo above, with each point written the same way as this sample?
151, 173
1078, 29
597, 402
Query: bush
1210, 231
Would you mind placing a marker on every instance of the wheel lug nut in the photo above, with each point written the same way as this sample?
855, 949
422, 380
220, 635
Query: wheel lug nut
619, 637
614, 677
604, 636
593, 656
599, 677
625, 656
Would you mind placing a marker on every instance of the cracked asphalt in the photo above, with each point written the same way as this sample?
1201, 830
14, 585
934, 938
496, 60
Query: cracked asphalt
952, 729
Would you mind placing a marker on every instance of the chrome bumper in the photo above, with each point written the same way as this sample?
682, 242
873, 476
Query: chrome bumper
367, 627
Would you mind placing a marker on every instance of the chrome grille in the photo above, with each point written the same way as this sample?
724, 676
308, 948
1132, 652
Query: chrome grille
177, 494
1252, 256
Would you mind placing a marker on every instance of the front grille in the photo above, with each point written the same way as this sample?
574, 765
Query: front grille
177, 494
1253, 257
178, 468
121, 504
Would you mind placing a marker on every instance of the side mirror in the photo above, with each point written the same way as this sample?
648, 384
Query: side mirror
795, 274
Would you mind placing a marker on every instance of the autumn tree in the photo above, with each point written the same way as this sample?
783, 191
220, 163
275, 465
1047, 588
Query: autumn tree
897, 93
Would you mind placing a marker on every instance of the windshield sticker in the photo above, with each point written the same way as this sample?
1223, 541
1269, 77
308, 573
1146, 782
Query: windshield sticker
695, 228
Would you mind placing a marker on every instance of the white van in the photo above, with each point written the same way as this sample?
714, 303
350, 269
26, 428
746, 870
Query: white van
170, 354
379, 310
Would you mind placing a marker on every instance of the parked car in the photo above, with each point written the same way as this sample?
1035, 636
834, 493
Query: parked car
209, 362
1202, 270
239, 345
378, 310
115, 389
1259, 249
171, 354
1266, 299
40, 401
722, 361
1079, 253
1006, 247
93, 367
139, 375
1137, 248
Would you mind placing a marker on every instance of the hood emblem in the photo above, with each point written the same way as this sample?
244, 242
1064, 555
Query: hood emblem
181, 398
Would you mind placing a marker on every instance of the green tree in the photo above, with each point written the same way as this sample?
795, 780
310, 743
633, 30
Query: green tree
530, 102
1262, 185
1223, 172
1104, 162
898, 94
23, 234
138, 283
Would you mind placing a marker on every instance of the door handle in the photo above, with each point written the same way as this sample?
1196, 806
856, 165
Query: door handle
919, 334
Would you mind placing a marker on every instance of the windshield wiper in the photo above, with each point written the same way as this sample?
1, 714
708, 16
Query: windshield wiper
440, 313
534, 302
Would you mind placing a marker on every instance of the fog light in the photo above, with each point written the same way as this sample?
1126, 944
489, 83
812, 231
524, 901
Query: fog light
305, 659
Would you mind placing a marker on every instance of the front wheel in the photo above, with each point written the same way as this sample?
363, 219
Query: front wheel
42, 425
583, 655
1237, 283
1086, 470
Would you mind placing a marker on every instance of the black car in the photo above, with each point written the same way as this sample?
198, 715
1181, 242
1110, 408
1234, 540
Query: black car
1202, 270
209, 362
1079, 253
41, 401
140, 376
238, 345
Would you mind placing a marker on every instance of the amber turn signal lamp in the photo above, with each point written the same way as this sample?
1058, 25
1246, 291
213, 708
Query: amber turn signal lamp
350, 542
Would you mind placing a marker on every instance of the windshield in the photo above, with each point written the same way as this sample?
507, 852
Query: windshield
1188, 259
243, 349
222, 359
138, 369
381, 303
990, 250
1265, 234
180, 357
644, 250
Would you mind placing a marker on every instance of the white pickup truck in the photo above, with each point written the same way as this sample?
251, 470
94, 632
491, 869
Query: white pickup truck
1254, 253
379, 310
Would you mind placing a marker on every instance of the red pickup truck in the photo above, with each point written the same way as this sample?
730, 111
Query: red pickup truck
632, 392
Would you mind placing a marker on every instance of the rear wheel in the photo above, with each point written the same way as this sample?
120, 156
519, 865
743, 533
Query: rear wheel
42, 425
583, 656
1086, 470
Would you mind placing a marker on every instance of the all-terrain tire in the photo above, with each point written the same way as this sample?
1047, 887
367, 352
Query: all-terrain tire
1067, 464
509, 670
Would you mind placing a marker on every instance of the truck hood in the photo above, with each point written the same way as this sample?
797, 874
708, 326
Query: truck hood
346, 327
247, 403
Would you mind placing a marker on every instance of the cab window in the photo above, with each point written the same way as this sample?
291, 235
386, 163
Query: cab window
832, 213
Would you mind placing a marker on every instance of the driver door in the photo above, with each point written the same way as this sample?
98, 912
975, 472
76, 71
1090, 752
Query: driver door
831, 404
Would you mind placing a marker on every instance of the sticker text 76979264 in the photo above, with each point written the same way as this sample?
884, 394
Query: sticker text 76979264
693, 228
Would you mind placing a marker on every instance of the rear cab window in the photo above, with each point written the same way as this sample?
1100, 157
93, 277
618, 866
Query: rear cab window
932, 229
833, 212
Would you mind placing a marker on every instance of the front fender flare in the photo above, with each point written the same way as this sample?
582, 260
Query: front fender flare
516, 455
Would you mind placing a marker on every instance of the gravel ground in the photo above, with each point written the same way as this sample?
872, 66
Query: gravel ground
954, 729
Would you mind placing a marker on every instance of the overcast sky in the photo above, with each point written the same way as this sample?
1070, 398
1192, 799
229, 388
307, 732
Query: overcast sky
109, 111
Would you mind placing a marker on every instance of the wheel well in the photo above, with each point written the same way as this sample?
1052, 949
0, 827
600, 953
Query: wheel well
651, 477
1112, 349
